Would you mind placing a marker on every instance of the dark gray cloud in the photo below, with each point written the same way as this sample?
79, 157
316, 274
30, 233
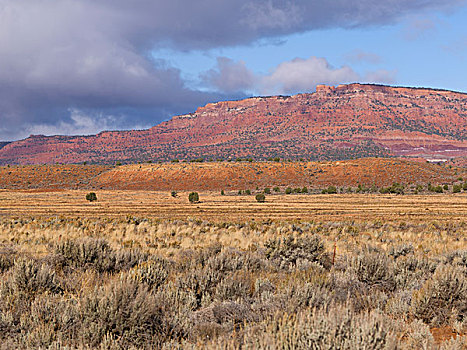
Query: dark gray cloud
60, 59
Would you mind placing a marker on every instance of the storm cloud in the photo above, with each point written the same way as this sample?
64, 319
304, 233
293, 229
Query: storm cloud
60, 59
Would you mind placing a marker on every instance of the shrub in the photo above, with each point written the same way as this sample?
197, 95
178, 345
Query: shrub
456, 188
304, 190
222, 193
289, 251
338, 327
7, 256
260, 198
445, 187
437, 189
267, 190
247, 192
330, 190
288, 190
442, 295
173, 194
91, 196
152, 272
395, 188
276, 189
193, 197
30, 277
373, 269
124, 310
97, 254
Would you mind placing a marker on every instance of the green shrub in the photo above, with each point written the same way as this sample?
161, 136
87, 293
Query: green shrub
456, 188
260, 198
193, 197
304, 190
437, 189
173, 194
276, 189
395, 188
222, 193
330, 190
247, 192
91, 196
267, 190
288, 190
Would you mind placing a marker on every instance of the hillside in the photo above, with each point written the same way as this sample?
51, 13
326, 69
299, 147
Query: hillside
348, 121
2, 144
216, 176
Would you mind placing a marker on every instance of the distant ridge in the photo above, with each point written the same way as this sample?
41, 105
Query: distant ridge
347, 121
2, 144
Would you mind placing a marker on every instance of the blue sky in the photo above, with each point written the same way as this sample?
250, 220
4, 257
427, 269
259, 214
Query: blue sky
427, 49
83, 66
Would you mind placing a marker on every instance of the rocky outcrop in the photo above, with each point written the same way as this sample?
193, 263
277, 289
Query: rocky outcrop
355, 120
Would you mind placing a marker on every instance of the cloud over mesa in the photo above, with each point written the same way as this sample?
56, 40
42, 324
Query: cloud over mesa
59, 56
297, 75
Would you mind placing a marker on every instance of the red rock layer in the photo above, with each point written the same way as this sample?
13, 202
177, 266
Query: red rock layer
333, 123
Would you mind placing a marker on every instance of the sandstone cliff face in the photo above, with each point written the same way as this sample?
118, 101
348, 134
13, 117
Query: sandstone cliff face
334, 123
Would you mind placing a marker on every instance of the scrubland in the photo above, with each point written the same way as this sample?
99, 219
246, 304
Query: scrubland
146, 282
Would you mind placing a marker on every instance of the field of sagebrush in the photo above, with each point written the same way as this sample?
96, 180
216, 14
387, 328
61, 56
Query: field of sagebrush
173, 284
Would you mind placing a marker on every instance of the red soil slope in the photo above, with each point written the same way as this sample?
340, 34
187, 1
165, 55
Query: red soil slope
244, 175
228, 175
334, 123
49, 176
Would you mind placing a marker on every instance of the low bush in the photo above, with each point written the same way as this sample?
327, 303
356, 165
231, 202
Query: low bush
193, 197
442, 297
289, 251
91, 197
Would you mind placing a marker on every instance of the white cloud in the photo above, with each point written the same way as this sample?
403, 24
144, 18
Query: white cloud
302, 75
297, 75
79, 123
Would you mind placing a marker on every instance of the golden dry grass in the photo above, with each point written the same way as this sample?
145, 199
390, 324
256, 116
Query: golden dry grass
236, 208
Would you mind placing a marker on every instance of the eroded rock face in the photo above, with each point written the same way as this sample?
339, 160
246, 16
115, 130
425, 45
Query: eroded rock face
333, 123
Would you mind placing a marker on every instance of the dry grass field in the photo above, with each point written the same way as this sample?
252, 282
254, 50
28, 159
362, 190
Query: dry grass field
232, 207
145, 270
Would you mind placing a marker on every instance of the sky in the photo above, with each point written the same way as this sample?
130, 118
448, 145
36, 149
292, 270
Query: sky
78, 67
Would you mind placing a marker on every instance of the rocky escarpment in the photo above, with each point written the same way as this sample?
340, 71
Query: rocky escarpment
355, 120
